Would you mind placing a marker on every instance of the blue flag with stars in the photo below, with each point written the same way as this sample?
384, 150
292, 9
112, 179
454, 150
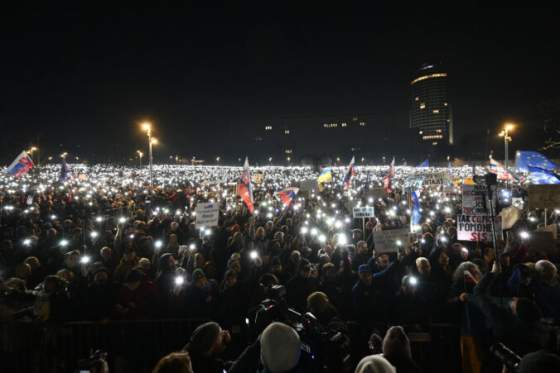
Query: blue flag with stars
525, 159
540, 176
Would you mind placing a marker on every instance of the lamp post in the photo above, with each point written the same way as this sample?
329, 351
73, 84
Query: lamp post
147, 127
505, 133
140, 155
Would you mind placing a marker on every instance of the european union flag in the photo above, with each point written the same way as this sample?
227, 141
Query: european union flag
416, 215
540, 176
426, 163
525, 159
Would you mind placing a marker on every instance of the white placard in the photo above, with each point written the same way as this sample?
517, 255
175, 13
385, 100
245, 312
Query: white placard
391, 240
477, 227
363, 212
207, 214
473, 200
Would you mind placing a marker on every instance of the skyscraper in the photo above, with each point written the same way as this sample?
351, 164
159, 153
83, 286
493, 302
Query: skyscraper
430, 110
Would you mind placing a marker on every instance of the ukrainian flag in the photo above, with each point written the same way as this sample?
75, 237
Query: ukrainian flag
325, 176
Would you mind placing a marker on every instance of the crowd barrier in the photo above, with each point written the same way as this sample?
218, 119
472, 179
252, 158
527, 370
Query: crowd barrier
135, 346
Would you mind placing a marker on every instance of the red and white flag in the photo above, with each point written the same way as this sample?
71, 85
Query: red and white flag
495, 167
245, 187
387, 180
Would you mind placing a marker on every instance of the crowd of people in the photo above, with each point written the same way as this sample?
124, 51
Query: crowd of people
110, 243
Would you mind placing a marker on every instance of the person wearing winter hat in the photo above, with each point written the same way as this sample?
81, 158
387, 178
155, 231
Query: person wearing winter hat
374, 364
280, 348
396, 349
540, 362
206, 343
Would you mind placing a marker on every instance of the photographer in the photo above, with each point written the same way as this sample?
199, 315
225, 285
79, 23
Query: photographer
277, 350
207, 342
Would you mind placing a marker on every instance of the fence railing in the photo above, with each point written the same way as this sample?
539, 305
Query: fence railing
136, 346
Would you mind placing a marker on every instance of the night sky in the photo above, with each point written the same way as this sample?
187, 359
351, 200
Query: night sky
210, 78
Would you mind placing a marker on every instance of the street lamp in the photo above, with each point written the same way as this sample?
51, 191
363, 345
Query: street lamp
505, 133
218, 160
140, 155
147, 127
63, 155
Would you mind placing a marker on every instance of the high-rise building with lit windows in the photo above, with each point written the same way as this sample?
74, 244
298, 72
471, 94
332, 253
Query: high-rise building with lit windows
430, 109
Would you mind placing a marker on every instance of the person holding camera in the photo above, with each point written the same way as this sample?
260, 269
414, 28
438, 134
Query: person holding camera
276, 350
207, 342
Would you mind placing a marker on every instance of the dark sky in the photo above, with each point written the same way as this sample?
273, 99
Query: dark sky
208, 78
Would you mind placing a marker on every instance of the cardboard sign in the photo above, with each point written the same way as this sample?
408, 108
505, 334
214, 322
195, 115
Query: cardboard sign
474, 197
207, 214
477, 228
363, 212
308, 185
544, 196
391, 241
434, 180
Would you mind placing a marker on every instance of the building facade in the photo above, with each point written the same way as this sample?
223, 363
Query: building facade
430, 110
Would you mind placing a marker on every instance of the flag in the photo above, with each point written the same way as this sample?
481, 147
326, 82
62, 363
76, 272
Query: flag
245, 188
540, 176
495, 167
426, 163
287, 196
525, 159
21, 165
65, 171
325, 176
415, 214
387, 185
349, 174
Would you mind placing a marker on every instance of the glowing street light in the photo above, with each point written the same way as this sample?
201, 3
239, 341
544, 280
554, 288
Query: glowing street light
140, 155
505, 133
147, 127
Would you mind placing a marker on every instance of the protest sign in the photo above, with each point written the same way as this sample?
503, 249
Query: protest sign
434, 180
477, 227
207, 214
474, 197
544, 196
308, 185
391, 240
363, 212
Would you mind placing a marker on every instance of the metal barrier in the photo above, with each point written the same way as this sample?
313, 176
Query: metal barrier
132, 345
136, 346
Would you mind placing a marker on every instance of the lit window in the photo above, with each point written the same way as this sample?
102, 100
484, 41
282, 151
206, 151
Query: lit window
416, 98
435, 111
343, 124
422, 105
268, 128
286, 132
362, 124
288, 151
445, 104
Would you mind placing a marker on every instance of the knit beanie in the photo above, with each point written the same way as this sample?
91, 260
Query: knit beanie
396, 344
280, 348
540, 362
203, 338
374, 364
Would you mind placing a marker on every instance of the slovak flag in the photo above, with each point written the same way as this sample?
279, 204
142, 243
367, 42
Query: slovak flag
287, 195
245, 188
21, 165
349, 174
387, 185
495, 167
